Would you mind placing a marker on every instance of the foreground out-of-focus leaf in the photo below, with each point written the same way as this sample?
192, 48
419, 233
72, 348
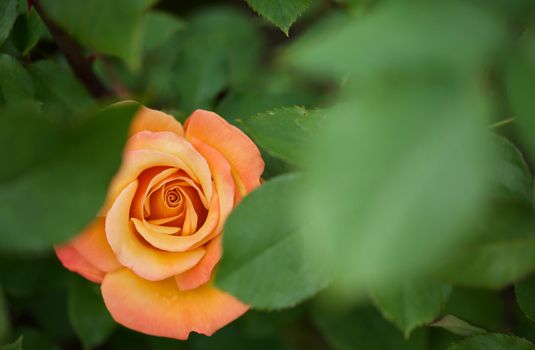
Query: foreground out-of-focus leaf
457, 326
89, 316
284, 132
264, 264
110, 27
282, 13
413, 304
160, 27
28, 29
401, 169
63, 191
493, 342
364, 329
525, 296
8, 14
480, 307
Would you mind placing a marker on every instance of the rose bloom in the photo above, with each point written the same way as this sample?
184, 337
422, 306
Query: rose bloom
157, 240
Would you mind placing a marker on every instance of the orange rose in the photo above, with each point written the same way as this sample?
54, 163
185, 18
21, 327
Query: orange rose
158, 239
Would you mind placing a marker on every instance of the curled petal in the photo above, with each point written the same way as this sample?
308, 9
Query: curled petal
183, 243
147, 262
161, 309
73, 261
155, 121
232, 143
202, 272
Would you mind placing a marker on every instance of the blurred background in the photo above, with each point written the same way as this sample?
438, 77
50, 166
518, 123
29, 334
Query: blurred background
400, 135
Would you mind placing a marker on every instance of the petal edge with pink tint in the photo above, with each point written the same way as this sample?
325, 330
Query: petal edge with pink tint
160, 309
73, 261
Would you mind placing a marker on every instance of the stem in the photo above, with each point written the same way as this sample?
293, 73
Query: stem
80, 65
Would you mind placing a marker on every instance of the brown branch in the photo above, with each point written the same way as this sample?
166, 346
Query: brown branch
80, 65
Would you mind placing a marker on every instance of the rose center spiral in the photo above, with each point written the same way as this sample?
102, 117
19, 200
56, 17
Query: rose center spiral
173, 198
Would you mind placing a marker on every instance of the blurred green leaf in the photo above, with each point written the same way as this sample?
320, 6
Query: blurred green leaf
16, 345
160, 28
511, 173
493, 264
413, 304
284, 132
391, 37
62, 194
457, 326
364, 329
403, 174
219, 48
110, 27
57, 87
89, 316
16, 85
27, 277
484, 308
264, 262
36, 340
525, 296
4, 318
282, 13
8, 14
520, 79
27, 31
493, 342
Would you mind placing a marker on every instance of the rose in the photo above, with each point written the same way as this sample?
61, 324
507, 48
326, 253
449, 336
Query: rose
158, 238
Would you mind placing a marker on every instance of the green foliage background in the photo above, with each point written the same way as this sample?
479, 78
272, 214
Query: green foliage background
399, 139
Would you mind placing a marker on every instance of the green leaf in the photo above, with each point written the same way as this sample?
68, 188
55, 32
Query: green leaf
220, 47
16, 85
160, 28
492, 264
457, 326
511, 173
8, 14
57, 87
89, 316
520, 81
282, 13
35, 339
525, 296
493, 342
391, 37
63, 192
265, 262
284, 132
27, 31
413, 304
364, 329
16, 345
110, 27
4, 318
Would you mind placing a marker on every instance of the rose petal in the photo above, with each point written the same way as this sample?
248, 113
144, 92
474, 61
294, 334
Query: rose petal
73, 261
93, 246
202, 272
232, 143
160, 309
152, 120
147, 262
221, 172
183, 243
169, 143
